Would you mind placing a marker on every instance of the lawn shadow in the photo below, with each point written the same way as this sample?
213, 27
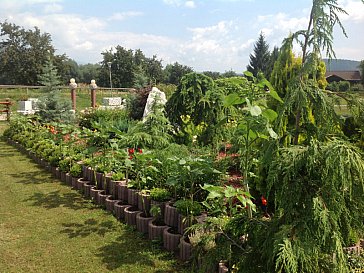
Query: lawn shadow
38, 176
56, 199
129, 249
90, 226
8, 151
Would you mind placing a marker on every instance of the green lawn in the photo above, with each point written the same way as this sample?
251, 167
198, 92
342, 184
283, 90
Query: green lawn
47, 227
83, 97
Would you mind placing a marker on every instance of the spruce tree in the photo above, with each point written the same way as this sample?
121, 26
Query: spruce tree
53, 108
260, 58
49, 78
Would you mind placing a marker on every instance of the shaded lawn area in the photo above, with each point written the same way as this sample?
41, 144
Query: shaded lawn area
47, 227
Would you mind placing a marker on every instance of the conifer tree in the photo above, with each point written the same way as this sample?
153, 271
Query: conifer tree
52, 107
260, 58
49, 78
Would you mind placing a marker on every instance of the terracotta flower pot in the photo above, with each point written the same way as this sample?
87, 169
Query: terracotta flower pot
68, 179
162, 206
155, 232
63, 177
100, 181
91, 174
109, 186
87, 189
133, 197
171, 215
93, 193
74, 182
130, 215
183, 223
101, 198
144, 202
119, 208
171, 239
84, 172
122, 190
142, 222
79, 184
110, 202
185, 249
114, 188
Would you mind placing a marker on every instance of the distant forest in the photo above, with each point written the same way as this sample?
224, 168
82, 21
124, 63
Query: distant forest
341, 65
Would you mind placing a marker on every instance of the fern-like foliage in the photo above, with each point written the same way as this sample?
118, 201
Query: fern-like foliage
318, 193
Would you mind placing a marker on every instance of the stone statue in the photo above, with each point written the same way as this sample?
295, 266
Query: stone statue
154, 95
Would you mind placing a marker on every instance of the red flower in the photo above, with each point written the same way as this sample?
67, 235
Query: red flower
264, 201
140, 151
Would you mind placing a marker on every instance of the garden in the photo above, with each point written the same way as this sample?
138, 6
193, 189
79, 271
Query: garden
242, 174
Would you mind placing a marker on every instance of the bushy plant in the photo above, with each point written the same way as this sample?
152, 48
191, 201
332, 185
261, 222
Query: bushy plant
344, 86
188, 207
76, 170
136, 102
108, 117
160, 194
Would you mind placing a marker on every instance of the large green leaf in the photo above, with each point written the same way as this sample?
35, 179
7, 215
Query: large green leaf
270, 114
248, 74
233, 99
275, 95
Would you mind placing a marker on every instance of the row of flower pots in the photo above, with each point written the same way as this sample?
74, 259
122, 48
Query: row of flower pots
129, 205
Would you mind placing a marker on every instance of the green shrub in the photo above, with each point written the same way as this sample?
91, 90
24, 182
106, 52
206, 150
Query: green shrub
188, 207
104, 116
76, 170
160, 194
344, 86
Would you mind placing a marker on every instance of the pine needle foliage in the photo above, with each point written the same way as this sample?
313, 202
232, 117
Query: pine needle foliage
198, 97
153, 132
317, 191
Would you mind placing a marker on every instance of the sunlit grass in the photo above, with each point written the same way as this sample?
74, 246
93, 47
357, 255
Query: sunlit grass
47, 227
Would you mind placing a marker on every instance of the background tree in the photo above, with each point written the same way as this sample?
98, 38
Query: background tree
129, 68
361, 66
88, 72
67, 68
22, 54
174, 72
260, 58
212, 74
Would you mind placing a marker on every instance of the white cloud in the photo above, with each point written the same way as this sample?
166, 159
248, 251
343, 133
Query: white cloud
120, 16
180, 3
53, 8
190, 4
355, 10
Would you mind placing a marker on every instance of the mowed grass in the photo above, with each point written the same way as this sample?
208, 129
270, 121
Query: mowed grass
83, 97
45, 226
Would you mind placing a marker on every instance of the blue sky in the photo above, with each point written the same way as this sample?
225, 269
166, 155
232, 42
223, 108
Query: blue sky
215, 35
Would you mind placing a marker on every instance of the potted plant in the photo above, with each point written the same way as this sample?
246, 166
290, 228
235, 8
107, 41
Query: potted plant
75, 172
187, 210
159, 197
156, 226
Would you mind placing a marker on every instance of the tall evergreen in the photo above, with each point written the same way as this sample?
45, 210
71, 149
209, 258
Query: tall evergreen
260, 58
52, 107
50, 78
